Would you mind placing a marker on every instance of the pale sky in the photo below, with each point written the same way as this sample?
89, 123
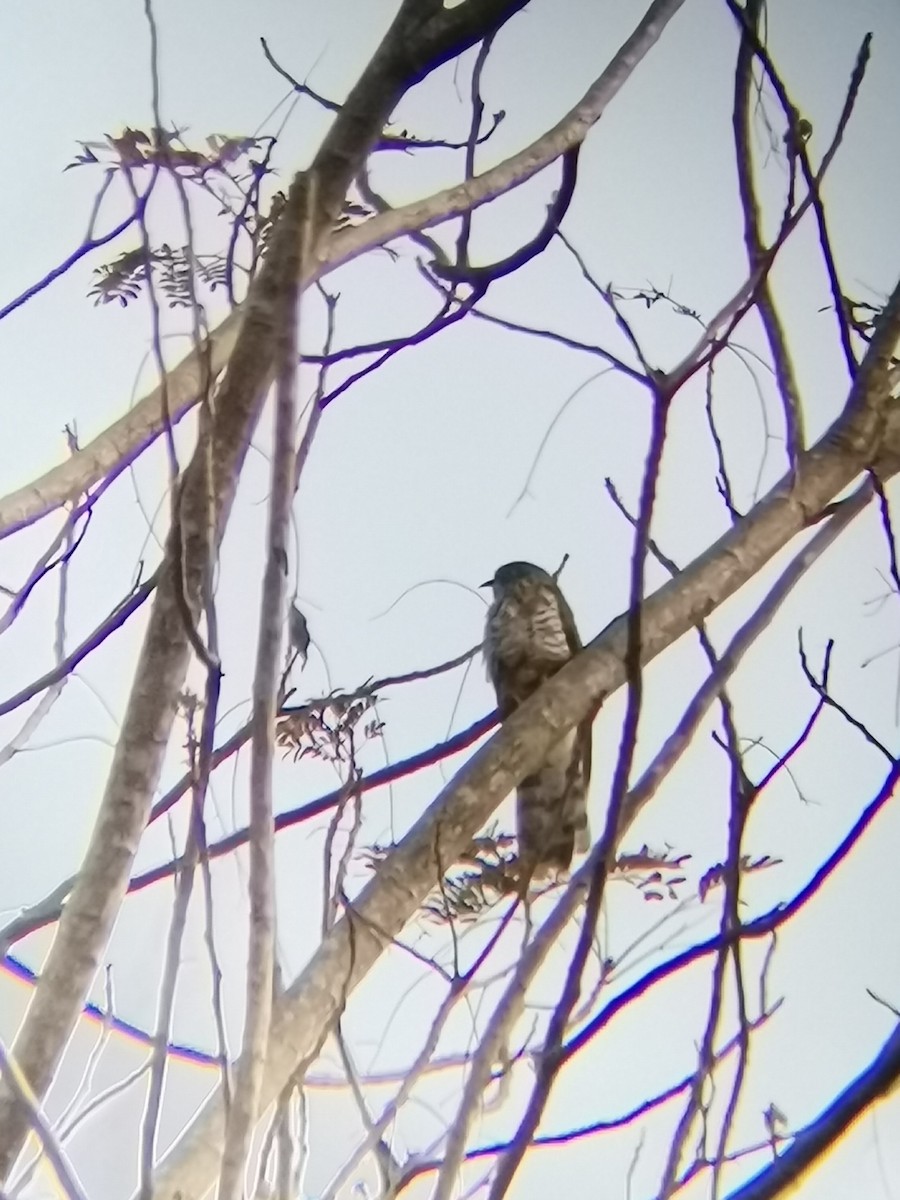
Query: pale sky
409, 501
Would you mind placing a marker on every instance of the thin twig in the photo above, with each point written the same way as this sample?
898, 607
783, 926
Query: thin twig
17, 1084
819, 687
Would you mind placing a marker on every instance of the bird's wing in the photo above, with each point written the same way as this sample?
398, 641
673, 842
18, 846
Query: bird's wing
499, 676
567, 620
583, 742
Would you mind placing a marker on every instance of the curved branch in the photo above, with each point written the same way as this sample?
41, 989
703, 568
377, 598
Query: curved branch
760, 927
559, 206
817, 1138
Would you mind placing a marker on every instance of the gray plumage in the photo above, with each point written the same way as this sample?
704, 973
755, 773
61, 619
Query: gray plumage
530, 633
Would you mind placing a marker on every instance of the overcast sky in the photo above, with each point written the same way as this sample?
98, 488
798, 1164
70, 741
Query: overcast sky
416, 491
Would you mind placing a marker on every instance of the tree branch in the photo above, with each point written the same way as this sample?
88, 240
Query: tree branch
817, 1138
309, 1007
421, 37
120, 444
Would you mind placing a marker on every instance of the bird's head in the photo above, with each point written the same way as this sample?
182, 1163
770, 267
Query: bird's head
510, 575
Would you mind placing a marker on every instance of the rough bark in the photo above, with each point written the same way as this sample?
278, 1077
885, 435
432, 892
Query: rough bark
867, 433
421, 37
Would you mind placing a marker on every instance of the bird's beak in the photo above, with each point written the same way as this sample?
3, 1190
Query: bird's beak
487, 583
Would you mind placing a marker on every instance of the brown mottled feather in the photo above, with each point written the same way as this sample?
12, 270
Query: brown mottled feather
530, 633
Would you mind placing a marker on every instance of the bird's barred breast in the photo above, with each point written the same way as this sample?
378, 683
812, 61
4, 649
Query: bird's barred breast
516, 628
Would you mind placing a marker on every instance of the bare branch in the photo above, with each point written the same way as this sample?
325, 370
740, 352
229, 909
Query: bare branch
111, 451
418, 41
810, 1144
242, 1112
17, 1084
315, 998
784, 371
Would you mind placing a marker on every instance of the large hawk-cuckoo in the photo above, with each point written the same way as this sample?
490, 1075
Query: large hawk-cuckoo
530, 633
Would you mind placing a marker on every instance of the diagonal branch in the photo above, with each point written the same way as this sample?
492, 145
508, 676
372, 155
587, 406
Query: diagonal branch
112, 450
421, 37
308, 1009
243, 1111
816, 1139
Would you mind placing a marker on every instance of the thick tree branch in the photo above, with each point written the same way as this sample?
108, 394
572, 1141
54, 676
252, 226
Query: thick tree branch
112, 450
421, 37
307, 1010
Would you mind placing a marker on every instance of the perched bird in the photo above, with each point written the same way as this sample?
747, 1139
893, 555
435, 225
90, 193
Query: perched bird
530, 633
298, 633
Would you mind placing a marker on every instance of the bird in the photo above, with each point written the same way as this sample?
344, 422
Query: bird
530, 634
298, 634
